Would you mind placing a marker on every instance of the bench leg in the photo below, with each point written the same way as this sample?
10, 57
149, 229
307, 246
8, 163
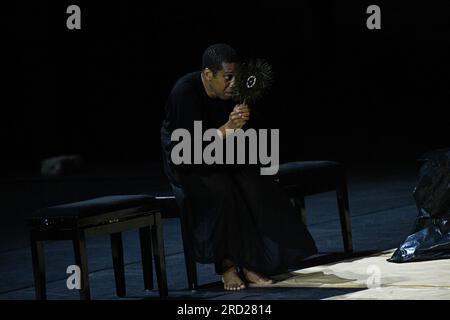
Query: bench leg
79, 246
299, 204
37, 254
118, 263
159, 255
146, 254
344, 213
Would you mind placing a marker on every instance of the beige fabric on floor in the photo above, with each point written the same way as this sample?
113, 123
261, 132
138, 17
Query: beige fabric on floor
379, 278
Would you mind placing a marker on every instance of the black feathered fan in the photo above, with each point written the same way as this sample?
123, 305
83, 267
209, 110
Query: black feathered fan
252, 81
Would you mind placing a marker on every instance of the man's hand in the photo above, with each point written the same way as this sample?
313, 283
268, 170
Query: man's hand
237, 119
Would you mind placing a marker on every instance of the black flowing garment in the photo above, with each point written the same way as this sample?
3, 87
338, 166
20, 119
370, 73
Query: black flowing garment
233, 212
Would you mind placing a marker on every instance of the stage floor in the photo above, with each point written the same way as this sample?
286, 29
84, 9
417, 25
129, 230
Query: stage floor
382, 211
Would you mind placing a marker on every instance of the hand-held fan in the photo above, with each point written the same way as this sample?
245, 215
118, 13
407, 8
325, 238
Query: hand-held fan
253, 80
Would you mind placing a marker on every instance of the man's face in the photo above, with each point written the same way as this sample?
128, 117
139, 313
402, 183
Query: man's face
222, 82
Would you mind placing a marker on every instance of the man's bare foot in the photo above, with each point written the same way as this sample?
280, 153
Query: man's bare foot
232, 281
256, 278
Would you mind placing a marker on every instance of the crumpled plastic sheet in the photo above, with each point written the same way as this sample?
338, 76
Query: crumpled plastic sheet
430, 237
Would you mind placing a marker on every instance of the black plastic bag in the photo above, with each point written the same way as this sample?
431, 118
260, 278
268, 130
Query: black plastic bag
430, 238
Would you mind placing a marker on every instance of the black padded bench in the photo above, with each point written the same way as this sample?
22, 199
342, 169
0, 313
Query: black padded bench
110, 215
299, 179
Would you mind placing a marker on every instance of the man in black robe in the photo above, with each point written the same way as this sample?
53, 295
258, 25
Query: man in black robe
237, 218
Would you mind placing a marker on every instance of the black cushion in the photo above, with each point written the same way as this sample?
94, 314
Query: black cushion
310, 177
97, 206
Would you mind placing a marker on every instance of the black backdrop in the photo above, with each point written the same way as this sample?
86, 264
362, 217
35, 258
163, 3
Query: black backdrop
342, 91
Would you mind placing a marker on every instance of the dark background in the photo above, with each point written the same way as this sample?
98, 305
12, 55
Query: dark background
342, 92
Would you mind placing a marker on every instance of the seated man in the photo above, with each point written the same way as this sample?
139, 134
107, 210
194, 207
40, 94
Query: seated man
238, 219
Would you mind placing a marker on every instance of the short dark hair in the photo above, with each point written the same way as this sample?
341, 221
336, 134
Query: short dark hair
215, 55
